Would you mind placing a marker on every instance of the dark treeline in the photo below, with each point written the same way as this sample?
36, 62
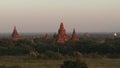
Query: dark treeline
51, 49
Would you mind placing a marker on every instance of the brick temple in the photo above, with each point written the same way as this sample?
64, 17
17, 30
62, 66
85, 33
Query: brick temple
74, 36
62, 37
15, 35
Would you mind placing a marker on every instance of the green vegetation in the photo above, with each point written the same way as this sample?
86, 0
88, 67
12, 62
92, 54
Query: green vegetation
54, 50
39, 53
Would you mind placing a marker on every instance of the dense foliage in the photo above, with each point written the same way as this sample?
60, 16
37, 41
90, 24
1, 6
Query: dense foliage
52, 49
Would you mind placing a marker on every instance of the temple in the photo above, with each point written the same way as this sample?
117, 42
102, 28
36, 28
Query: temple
15, 35
62, 37
46, 36
74, 36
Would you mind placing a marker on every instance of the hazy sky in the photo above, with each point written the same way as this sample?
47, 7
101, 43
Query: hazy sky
46, 15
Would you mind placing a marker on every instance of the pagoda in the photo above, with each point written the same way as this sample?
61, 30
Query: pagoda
62, 37
15, 35
74, 36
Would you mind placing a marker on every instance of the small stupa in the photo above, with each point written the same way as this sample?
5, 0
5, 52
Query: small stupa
15, 35
115, 34
74, 36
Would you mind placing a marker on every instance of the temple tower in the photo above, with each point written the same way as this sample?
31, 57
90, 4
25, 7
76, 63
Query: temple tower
74, 36
15, 35
62, 37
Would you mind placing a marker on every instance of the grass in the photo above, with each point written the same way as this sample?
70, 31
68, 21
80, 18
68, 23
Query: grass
39, 63
103, 63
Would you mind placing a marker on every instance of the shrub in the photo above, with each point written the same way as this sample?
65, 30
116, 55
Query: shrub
33, 55
53, 55
77, 55
74, 64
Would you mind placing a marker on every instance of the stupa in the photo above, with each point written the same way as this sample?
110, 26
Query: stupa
15, 35
74, 36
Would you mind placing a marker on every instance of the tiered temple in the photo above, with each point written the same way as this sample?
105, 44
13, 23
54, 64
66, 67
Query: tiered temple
15, 35
62, 37
74, 36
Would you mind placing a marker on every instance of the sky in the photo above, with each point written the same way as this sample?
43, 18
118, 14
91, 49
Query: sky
46, 15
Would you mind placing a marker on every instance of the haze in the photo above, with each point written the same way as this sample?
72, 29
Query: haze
46, 15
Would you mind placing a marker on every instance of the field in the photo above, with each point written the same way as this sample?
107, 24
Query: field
30, 63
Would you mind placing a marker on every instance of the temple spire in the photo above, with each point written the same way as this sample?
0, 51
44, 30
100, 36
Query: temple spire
61, 26
15, 35
74, 36
62, 30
